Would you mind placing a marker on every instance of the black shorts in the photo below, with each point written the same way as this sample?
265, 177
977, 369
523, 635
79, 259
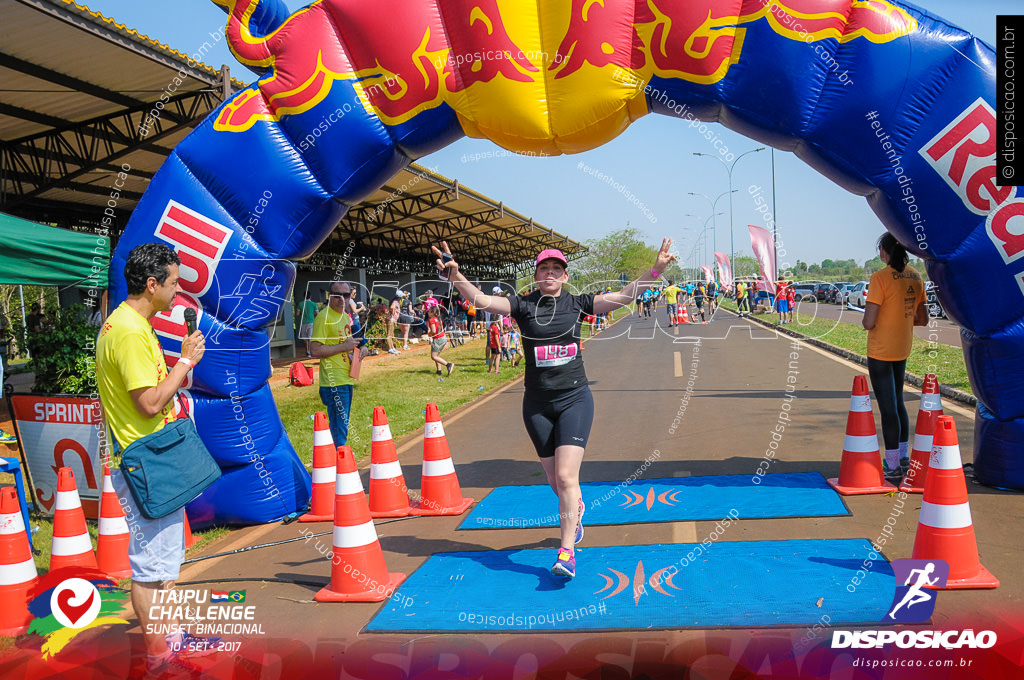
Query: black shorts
562, 419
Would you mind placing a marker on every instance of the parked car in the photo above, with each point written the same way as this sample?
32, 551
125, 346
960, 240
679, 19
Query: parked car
804, 291
822, 291
858, 294
935, 309
839, 291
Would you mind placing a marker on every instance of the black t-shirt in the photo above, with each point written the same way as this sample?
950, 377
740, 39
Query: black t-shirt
551, 330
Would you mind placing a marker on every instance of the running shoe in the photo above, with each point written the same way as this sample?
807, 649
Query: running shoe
393, 351
451, 367
892, 474
565, 564
7, 438
579, 522
905, 465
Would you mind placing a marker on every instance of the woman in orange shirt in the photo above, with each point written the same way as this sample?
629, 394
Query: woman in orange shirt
894, 306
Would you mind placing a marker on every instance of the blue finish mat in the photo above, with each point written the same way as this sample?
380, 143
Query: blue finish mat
690, 585
790, 494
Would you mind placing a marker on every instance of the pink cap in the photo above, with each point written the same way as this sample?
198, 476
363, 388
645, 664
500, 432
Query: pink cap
552, 254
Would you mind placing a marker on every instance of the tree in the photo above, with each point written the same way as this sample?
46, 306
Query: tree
620, 252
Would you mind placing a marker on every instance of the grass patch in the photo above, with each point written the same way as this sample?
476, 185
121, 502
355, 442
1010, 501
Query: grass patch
945, 361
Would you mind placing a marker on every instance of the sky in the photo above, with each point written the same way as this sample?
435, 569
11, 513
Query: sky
653, 160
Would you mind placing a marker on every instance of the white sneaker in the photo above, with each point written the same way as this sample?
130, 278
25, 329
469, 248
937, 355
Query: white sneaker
393, 351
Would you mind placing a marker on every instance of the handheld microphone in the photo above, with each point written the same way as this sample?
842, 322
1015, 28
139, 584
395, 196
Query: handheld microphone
190, 321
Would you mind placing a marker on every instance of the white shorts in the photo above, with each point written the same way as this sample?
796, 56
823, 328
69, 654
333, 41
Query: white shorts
156, 548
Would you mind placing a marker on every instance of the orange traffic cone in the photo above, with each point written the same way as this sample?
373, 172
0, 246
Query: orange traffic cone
389, 496
945, 530
189, 538
321, 504
914, 482
71, 545
17, 568
440, 493
358, 571
931, 400
860, 471
112, 544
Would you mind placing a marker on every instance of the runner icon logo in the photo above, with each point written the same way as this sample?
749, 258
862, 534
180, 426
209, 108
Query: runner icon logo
913, 602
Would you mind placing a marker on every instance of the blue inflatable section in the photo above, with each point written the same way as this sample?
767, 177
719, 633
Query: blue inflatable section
885, 99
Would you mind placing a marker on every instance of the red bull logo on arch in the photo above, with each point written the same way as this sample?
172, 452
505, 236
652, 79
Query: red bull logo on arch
422, 58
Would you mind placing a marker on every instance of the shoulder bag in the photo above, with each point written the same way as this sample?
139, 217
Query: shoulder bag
169, 468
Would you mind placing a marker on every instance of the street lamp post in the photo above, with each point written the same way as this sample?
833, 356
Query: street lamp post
728, 170
714, 205
704, 229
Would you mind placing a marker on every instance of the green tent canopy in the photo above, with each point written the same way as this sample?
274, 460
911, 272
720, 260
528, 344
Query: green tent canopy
38, 255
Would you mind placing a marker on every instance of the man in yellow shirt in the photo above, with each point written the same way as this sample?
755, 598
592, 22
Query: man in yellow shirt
137, 394
671, 296
331, 343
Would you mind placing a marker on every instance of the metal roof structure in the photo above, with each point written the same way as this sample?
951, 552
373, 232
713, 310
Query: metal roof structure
77, 96
82, 97
418, 208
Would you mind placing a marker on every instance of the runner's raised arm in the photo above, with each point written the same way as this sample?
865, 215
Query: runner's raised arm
606, 302
487, 303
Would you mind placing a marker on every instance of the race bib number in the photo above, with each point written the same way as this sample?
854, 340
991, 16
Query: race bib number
554, 355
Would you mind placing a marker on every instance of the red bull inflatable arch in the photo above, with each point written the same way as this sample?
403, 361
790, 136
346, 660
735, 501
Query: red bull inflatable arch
888, 101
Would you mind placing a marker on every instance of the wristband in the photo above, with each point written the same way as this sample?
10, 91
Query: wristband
654, 274
188, 362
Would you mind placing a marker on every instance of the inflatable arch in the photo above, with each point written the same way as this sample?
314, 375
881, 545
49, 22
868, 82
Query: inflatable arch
886, 100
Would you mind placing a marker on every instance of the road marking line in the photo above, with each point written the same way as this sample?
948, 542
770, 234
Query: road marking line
679, 364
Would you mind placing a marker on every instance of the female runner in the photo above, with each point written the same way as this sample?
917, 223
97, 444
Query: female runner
558, 408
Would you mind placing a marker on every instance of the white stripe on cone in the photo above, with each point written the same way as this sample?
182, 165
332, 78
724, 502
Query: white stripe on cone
11, 524
438, 468
354, 537
108, 485
931, 402
860, 443
385, 470
945, 457
433, 430
71, 545
323, 438
860, 403
381, 433
922, 442
937, 516
323, 475
113, 526
67, 500
16, 574
347, 483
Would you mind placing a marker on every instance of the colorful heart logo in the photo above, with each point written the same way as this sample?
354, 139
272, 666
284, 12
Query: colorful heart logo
74, 612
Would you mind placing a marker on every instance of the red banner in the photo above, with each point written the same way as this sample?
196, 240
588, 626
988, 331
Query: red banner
764, 250
707, 273
724, 268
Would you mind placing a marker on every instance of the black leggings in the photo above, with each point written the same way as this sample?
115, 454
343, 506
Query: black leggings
887, 384
559, 419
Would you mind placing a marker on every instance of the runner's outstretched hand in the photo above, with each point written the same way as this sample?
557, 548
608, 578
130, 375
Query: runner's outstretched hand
444, 259
665, 258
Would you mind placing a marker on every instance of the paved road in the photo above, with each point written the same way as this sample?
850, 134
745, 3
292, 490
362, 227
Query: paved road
639, 376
